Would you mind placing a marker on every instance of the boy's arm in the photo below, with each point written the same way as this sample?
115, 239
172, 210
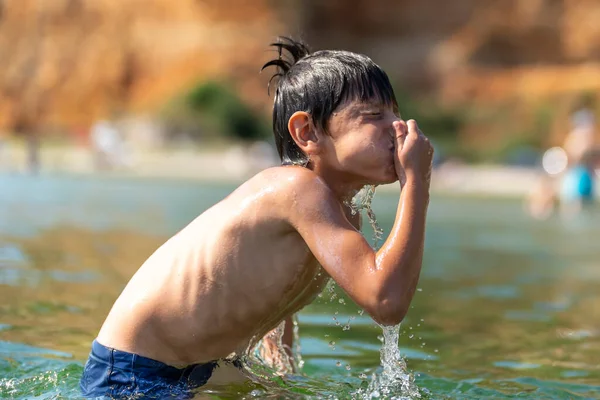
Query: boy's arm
383, 282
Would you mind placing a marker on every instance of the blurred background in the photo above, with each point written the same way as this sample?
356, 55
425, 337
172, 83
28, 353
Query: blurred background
120, 121
143, 84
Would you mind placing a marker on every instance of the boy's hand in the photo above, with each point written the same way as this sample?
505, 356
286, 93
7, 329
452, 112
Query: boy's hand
414, 153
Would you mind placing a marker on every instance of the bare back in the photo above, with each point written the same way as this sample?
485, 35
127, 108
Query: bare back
226, 279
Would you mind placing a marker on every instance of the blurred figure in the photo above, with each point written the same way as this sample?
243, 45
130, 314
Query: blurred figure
543, 197
583, 127
3, 151
578, 185
107, 145
541, 201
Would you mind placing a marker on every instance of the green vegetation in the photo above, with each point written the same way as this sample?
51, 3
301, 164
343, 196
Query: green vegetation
212, 110
511, 132
442, 125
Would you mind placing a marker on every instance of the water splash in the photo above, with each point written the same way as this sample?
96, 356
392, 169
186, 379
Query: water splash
394, 382
297, 352
268, 358
362, 201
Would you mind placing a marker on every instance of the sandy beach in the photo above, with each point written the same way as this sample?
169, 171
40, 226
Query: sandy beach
237, 163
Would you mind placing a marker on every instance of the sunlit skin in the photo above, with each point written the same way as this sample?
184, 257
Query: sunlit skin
267, 250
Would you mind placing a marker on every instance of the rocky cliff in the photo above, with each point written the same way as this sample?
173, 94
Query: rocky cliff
471, 49
67, 62
71, 61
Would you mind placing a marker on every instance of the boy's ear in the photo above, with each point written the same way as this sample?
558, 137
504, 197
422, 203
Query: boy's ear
303, 132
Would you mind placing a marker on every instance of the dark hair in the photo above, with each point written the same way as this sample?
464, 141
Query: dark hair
319, 83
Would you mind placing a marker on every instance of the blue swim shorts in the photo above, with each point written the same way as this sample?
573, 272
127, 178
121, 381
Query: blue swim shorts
119, 374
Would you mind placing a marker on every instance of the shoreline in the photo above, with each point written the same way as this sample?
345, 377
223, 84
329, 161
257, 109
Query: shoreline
237, 163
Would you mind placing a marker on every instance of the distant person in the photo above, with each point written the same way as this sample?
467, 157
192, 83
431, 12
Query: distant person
107, 145
578, 185
542, 199
260, 255
3, 151
581, 137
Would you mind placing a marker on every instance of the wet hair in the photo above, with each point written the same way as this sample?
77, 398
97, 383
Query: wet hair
319, 83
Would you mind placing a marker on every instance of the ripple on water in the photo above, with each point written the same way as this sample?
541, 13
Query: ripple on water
33, 372
516, 365
32, 277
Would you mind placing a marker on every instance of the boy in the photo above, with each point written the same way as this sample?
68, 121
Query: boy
265, 251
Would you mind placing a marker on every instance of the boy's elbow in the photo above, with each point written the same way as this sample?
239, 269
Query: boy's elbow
388, 311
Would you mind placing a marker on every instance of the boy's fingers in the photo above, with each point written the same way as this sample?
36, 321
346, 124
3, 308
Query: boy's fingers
412, 126
401, 131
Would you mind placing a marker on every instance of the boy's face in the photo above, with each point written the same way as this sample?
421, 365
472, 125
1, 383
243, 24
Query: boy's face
361, 142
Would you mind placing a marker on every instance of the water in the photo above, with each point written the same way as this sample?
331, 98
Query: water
362, 202
394, 382
507, 307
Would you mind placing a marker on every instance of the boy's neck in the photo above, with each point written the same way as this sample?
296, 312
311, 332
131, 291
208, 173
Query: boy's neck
344, 189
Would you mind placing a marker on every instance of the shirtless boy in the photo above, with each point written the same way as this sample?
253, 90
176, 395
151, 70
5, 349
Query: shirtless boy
264, 252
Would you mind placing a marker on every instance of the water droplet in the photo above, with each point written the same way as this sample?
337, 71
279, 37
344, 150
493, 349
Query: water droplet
352, 317
341, 301
347, 327
335, 313
362, 376
422, 320
411, 336
338, 364
348, 367
418, 324
361, 312
423, 343
435, 351
332, 344
327, 335
380, 338
419, 290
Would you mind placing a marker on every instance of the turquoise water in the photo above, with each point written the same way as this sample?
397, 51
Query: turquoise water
507, 307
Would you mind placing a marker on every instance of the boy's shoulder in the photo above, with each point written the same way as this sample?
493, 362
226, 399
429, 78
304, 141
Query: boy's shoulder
294, 180
288, 190
300, 195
